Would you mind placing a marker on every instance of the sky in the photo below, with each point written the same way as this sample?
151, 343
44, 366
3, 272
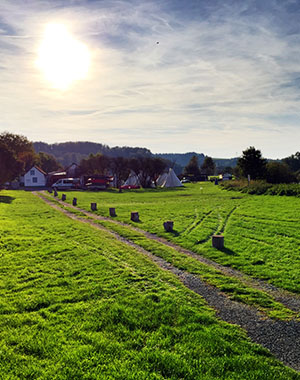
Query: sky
214, 77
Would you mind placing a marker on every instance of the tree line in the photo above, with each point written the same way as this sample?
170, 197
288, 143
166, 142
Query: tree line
252, 164
17, 156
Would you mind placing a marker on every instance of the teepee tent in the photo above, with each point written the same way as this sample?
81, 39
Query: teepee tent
161, 179
132, 180
171, 180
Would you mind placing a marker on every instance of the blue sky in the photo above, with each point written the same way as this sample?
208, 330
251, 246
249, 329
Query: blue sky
225, 75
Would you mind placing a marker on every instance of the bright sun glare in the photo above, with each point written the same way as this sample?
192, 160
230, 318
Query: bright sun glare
61, 58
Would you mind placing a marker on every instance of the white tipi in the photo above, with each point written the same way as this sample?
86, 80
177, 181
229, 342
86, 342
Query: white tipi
161, 179
171, 180
132, 180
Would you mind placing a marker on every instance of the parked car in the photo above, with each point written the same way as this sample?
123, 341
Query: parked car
66, 184
98, 182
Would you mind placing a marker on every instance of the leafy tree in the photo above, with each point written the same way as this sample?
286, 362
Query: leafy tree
10, 166
252, 163
277, 172
120, 169
21, 147
293, 161
47, 162
95, 164
208, 167
147, 168
192, 168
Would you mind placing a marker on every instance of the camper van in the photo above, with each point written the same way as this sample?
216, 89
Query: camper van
67, 183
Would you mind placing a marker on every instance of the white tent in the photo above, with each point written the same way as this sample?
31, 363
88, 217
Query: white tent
171, 180
132, 180
161, 179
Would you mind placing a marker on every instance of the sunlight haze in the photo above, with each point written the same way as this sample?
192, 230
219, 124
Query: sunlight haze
213, 77
62, 59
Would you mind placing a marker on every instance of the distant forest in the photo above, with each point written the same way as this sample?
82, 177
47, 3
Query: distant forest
69, 152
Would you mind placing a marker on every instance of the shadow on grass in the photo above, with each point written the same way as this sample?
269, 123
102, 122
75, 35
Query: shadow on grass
6, 199
174, 233
228, 251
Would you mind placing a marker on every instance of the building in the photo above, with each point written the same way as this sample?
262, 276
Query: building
35, 177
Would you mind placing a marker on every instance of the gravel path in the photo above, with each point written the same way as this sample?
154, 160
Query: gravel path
280, 337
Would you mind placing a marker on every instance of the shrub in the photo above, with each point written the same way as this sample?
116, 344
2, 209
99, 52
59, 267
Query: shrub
262, 187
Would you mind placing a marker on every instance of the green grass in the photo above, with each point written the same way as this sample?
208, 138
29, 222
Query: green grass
234, 288
261, 233
77, 304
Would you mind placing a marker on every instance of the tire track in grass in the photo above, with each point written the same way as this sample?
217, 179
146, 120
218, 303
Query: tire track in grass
220, 229
288, 299
282, 338
196, 223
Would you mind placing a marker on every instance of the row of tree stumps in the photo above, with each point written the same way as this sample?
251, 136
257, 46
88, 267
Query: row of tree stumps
217, 240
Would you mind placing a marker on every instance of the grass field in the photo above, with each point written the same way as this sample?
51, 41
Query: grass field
261, 232
77, 304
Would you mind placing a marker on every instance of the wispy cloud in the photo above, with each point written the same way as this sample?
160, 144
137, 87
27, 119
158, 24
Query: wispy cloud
173, 76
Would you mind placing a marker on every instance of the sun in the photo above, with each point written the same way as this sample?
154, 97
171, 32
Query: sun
62, 59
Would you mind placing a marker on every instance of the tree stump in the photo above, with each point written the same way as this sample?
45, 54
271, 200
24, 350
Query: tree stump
112, 211
93, 206
168, 226
218, 241
63, 197
74, 202
55, 193
135, 217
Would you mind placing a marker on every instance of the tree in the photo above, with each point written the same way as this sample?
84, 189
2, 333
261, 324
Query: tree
192, 168
147, 168
21, 147
120, 169
208, 167
277, 172
47, 162
10, 166
293, 161
251, 163
95, 164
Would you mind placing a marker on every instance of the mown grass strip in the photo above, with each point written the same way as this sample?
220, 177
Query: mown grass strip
234, 288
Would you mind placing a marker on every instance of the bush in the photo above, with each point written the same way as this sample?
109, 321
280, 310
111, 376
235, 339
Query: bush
262, 187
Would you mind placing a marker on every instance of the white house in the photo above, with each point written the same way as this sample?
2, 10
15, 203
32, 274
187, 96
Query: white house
35, 177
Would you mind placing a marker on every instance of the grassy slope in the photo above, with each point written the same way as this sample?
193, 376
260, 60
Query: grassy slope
75, 304
261, 232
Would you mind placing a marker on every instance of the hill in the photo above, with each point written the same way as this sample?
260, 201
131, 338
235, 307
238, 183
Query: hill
69, 152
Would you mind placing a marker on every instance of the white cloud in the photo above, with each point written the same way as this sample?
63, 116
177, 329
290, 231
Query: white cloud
215, 85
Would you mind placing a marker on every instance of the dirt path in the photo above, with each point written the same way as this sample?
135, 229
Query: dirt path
280, 337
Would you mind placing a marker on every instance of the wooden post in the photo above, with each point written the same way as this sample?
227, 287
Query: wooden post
112, 211
218, 241
168, 226
55, 193
135, 217
74, 202
93, 206
63, 197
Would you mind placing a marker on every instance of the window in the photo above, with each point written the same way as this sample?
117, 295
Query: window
34, 179
32, 172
